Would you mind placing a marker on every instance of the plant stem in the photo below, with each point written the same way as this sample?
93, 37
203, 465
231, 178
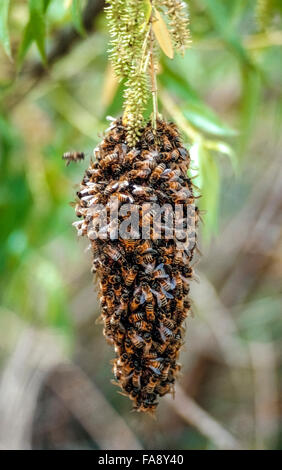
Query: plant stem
153, 81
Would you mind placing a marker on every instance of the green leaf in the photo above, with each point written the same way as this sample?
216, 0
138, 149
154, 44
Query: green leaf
35, 30
225, 149
209, 184
195, 110
4, 30
38, 27
77, 16
218, 13
204, 119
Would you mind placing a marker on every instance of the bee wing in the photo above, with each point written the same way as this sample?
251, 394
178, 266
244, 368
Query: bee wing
167, 294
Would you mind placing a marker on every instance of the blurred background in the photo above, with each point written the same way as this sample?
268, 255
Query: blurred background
226, 97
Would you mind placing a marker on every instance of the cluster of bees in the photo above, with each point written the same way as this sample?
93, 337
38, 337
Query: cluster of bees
144, 283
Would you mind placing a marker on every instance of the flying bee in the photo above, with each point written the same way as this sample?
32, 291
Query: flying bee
73, 157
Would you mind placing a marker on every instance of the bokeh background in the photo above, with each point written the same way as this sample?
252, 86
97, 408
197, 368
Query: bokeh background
226, 96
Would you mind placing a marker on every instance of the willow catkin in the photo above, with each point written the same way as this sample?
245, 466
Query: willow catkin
143, 262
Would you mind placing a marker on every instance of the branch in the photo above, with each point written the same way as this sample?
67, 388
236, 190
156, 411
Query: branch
67, 38
194, 415
31, 74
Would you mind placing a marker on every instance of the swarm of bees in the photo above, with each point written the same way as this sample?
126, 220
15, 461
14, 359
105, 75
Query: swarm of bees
144, 282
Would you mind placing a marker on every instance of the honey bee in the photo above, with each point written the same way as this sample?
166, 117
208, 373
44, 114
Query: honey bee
136, 317
151, 384
73, 157
113, 253
130, 156
114, 136
165, 332
183, 153
156, 174
128, 346
149, 136
124, 198
129, 244
160, 347
166, 144
112, 187
136, 339
129, 276
163, 389
136, 378
140, 173
143, 191
155, 365
135, 303
164, 372
167, 322
148, 343
149, 309
109, 160
143, 326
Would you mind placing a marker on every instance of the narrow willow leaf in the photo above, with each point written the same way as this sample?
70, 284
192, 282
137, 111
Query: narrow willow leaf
4, 30
37, 22
224, 149
195, 110
147, 9
207, 121
77, 17
25, 44
218, 13
162, 34
34, 31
